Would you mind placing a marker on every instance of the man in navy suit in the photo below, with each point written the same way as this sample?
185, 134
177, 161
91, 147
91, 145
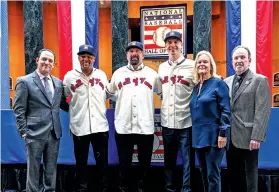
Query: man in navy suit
38, 97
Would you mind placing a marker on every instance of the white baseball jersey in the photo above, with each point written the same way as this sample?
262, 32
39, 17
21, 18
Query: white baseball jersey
177, 86
87, 106
134, 112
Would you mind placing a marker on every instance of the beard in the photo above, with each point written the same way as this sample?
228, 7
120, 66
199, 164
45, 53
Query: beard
134, 60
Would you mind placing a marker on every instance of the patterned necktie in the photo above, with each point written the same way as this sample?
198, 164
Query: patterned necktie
237, 83
47, 88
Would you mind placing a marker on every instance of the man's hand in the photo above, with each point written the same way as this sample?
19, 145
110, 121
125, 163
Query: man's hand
254, 144
222, 141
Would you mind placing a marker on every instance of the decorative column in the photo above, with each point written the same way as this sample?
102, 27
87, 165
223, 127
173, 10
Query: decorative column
202, 26
119, 21
33, 33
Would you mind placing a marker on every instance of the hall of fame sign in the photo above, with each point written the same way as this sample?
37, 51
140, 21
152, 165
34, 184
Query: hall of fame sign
156, 22
158, 148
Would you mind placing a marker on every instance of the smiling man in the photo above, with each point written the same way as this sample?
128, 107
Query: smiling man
38, 98
250, 111
88, 122
176, 76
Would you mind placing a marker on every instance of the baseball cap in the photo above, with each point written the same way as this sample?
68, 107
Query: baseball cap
134, 44
86, 49
173, 34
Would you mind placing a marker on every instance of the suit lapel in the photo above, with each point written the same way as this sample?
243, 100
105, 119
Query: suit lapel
230, 83
39, 83
246, 81
56, 88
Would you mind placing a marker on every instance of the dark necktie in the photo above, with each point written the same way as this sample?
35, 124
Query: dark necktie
47, 88
236, 85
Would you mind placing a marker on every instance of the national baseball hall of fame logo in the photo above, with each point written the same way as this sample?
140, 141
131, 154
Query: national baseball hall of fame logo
156, 22
158, 148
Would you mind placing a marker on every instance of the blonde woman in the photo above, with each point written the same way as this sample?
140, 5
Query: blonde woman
210, 111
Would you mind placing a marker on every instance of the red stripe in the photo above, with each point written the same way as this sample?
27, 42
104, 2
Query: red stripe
158, 133
264, 39
152, 46
158, 151
64, 36
148, 28
148, 37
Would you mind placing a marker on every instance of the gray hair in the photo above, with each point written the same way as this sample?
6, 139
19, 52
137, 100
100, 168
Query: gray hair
244, 47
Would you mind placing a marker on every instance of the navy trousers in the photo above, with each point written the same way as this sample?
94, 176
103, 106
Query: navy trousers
175, 139
210, 159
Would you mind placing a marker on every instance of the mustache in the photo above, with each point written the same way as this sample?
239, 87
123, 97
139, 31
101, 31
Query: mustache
239, 64
132, 57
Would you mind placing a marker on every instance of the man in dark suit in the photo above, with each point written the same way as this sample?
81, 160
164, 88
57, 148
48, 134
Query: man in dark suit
38, 97
250, 111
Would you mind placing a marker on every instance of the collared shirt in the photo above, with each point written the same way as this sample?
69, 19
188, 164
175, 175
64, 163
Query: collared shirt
242, 76
177, 86
87, 106
134, 111
50, 82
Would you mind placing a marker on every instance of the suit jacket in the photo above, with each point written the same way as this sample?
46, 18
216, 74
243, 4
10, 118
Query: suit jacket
250, 109
210, 113
35, 114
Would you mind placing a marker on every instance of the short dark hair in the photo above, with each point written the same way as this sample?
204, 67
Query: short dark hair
244, 47
45, 49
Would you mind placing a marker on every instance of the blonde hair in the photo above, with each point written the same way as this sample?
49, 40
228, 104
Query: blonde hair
212, 66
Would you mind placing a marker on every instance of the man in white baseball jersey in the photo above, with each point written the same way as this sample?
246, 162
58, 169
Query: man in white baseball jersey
88, 122
176, 76
134, 114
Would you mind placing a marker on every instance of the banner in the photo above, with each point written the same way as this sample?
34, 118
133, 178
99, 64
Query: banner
156, 22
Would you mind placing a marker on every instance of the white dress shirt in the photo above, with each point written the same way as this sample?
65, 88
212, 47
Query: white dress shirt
177, 86
88, 101
134, 112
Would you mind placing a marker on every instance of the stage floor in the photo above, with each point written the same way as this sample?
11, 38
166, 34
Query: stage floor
13, 178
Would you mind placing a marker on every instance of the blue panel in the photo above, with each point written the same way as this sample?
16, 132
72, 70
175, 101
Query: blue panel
92, 27
15, 153
233, 30
5, 82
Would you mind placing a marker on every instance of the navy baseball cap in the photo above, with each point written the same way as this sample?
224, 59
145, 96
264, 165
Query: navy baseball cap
173, 34
134, 44
86, 49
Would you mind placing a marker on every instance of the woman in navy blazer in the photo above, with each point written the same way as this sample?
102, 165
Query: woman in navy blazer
210, 112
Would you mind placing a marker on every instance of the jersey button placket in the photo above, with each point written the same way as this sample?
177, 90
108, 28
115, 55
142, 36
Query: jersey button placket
134, 112
171, 106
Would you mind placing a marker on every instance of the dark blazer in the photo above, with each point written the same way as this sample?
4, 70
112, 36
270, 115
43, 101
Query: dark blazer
35, 114
210, 112
250, 109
